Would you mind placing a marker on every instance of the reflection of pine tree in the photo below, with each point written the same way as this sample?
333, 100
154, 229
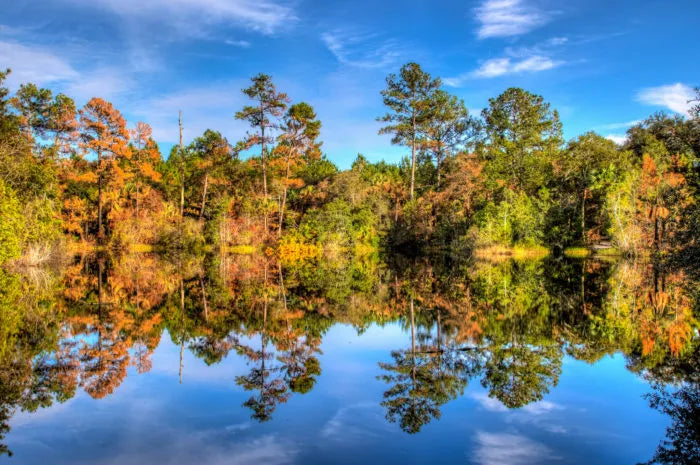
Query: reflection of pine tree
422, 380
299, 362
682, 443
517, 373
105, 361
265, 378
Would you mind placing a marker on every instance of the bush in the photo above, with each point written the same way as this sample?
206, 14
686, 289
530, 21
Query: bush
12, 224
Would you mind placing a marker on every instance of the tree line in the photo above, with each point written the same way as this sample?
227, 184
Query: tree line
501, 180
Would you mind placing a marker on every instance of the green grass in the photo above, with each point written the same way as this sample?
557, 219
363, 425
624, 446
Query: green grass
241, 249
518, 252
577, 252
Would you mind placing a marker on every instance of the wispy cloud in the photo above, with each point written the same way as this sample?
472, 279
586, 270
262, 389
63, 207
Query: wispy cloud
501, 66
623, 125
542, 407
237, 43
619, 139
541, 414
496, 67
42, 66
354, 422
35, 64
518, 60
675, 97
513, 449
362, 50
265, 16
506, 18
489, 403
206, 107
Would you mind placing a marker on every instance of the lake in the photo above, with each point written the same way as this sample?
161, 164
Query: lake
362, 359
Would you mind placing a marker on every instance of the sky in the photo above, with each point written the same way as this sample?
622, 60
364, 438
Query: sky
604, 65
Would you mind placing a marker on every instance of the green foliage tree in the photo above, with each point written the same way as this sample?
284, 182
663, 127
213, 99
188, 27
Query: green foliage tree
448, 129
211, 156
408, 96
12, 224
298, 144
523, 137
588, 165
269, 106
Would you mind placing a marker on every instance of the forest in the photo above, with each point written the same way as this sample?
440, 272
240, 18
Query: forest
504, 182
475, 243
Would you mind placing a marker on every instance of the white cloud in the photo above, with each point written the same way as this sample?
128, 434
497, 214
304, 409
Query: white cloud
505, 18
237, 43
511, 449
208, 107
542, 407
353, 422
41, 66
106, 82
619, 139
362, 50
496, 67
34, 64
489, 403
675, 97
266, 16
623, 125
534, 64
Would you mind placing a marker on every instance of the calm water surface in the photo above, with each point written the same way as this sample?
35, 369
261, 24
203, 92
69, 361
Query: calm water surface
241, 360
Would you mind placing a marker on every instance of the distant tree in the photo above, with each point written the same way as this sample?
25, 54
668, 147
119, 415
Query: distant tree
269, 105
523, 136
695, 108
585, 164
448, 128
103, 133
63, 123
297, 141
143, 159
408, 97
42, 117
682, 443
211, 151
12, 223
8, 121
33, 106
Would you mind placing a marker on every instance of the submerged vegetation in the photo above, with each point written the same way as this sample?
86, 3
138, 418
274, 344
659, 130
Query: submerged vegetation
488, 243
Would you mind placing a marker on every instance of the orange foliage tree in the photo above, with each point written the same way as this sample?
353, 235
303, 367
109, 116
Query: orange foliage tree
103, 134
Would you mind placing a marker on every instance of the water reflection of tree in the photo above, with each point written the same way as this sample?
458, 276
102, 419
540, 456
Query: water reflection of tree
430, 373
682, 443
507, 324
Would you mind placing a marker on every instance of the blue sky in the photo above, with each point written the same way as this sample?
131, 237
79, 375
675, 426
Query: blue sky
602, 64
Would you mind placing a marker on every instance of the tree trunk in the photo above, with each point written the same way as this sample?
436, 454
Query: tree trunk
284, 199
583, 217
413, 155
99, 197
439, 335
438, 160
204, 299
182, 170
204, 195
182, 334
262, 159
413, 330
